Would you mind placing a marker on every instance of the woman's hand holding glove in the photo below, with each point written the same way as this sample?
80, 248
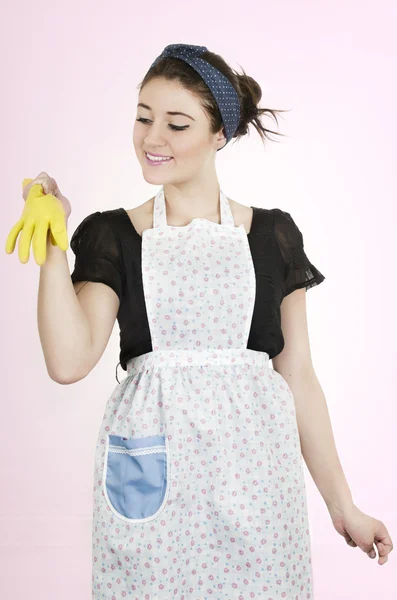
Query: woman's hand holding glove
46, 209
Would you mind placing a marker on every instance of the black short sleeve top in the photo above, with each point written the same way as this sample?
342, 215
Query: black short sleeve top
107, 249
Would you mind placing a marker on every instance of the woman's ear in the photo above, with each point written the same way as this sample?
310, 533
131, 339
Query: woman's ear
220, 139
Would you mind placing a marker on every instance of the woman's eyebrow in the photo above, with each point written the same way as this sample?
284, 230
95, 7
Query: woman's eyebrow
168, 112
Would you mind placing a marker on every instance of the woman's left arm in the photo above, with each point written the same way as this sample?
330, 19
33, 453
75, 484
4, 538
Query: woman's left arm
316, 437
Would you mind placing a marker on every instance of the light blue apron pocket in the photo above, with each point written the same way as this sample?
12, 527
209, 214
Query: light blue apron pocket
136, 473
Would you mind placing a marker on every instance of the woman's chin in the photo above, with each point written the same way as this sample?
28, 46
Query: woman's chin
151, 177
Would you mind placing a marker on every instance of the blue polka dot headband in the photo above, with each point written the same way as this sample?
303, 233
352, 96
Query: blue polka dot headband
222, 90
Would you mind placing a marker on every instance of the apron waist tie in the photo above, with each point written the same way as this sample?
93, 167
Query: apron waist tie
207, 357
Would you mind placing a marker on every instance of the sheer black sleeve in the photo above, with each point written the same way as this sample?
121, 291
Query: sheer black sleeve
299, 271
98, 253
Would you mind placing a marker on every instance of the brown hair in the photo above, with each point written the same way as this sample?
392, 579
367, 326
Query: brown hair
248, 90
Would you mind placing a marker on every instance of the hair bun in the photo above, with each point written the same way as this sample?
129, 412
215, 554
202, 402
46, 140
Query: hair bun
254, 112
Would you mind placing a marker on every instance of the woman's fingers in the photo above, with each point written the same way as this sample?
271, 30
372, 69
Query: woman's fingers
48, 184
383, 543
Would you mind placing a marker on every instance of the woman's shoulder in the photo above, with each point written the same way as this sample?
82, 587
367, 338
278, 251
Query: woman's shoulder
262, 221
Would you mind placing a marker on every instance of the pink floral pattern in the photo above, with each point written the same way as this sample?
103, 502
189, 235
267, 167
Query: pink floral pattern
234, 524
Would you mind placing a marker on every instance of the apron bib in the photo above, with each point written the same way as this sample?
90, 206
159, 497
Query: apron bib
199, 282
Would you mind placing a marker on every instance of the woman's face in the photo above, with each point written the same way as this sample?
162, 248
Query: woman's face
184, 137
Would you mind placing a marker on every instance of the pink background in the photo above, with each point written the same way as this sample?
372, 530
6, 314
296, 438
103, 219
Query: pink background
69, 74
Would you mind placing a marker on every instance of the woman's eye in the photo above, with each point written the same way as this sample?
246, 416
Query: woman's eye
179, 128
174, 127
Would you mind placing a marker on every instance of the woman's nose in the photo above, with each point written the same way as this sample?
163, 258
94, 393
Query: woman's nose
154, 137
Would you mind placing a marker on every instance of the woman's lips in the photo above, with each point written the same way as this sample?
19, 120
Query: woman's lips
156, 163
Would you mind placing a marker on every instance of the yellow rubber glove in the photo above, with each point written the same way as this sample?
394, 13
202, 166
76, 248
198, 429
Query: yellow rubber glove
42, 212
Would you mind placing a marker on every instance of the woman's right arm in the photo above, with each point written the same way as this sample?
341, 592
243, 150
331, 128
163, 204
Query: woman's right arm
66, 321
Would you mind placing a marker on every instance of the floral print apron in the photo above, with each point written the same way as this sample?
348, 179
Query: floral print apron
199, 487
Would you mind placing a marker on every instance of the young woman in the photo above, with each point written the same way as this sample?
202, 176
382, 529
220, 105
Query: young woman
199, 486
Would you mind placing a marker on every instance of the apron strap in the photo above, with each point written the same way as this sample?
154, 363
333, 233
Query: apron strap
160, 217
